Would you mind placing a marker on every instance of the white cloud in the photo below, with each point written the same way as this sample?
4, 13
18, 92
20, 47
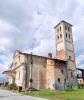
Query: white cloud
2, 68
81, 66
80, 59
28, 25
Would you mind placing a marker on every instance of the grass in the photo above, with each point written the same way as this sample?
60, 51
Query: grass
77, 94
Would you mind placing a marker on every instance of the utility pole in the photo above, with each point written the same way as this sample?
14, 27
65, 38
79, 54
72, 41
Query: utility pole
30, 76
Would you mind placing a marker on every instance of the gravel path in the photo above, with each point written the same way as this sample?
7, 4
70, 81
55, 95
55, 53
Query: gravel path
7, 95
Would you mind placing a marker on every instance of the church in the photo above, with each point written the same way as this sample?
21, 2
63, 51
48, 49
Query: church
40, 72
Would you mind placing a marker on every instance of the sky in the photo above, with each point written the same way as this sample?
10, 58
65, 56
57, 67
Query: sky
27, 25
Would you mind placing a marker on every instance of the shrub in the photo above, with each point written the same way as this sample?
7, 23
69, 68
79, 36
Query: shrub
70, 87
81, 85
13, 86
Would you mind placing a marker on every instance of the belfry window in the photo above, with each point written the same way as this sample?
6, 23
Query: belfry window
69, 36
60, 28
19, 58
57, 30
60, 35
66, 35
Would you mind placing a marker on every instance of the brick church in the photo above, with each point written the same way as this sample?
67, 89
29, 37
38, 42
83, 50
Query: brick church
41, 72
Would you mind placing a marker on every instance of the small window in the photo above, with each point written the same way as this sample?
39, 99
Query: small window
59, 80
60, 35
69, 36
69, 57
57, 30
60, 28
68, 28
71, 74
19, 58
62, 71
66, 35
65, 27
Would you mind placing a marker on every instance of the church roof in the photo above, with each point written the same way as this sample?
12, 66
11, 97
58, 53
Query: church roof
62, 22
55, 59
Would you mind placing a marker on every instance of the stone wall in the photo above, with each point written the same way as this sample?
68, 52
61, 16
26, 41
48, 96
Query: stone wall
50, 74
45, 71
38, 71
60, 75
56, 69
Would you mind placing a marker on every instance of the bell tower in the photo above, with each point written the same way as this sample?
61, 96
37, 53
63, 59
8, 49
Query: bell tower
65, 48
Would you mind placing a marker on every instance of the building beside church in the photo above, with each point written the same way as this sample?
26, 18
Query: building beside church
47, 72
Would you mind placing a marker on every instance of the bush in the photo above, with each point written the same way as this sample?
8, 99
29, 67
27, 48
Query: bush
81, 85
13, 86
70, 87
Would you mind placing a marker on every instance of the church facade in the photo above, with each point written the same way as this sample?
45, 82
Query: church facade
46, 72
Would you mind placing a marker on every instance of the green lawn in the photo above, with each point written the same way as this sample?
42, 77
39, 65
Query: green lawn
58, 94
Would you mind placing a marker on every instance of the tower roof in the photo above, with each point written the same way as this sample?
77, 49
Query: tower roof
62, 22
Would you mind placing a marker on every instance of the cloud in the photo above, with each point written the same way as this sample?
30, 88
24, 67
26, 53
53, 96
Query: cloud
27, 25
80, 59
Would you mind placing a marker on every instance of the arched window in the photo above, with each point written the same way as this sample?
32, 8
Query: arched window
69, 57
57, 30
59, 80
69, 36
66, 35
60, 35
19, 58
60, 28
